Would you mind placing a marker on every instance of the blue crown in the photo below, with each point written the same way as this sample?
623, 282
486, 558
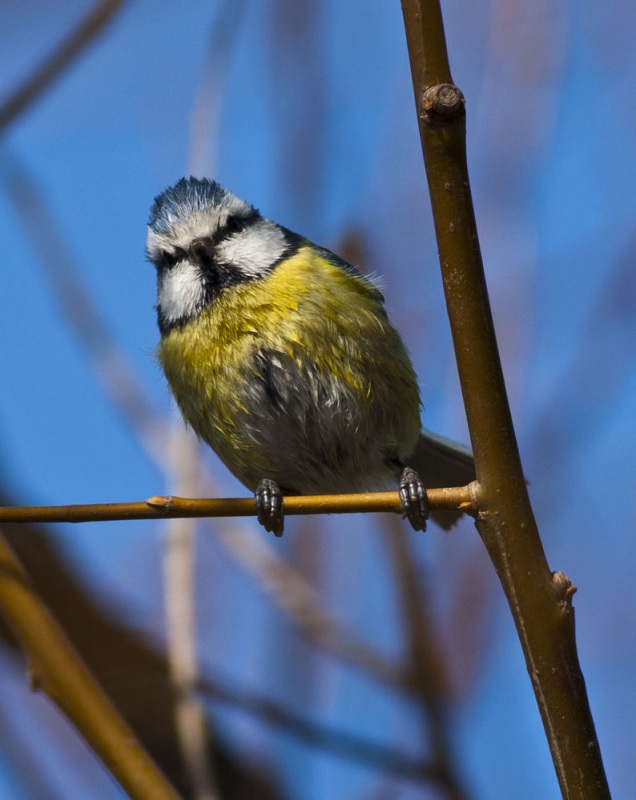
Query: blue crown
180, 201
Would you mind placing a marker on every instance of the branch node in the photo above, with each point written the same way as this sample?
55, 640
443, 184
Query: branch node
564, 590
443, 102
474, 487
160, 502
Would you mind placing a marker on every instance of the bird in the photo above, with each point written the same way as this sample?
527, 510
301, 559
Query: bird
281, 357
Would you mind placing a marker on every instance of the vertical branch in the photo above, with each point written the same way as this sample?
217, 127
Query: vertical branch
540, 601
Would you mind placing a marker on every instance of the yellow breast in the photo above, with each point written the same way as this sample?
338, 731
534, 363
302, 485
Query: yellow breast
334, 360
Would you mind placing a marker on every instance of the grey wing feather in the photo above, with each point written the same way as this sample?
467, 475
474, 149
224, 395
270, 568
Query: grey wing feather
440, 462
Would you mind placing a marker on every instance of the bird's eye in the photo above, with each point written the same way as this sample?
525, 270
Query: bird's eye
169, 259
235, 224
199, 252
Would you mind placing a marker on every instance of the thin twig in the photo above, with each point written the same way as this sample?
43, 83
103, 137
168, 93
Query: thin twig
169, 507
54, 65
291, 592
286, 586
540, 601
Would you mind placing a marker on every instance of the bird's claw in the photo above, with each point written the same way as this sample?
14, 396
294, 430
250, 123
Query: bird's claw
413, 499
268, 499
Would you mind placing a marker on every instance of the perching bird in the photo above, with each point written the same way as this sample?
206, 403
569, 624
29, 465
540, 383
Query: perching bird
281, 357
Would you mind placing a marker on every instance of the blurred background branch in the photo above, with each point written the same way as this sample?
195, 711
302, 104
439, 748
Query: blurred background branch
425, 659
52, 67
56, 669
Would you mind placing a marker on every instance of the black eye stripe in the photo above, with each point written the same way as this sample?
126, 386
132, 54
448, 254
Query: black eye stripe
234, 224
169, 259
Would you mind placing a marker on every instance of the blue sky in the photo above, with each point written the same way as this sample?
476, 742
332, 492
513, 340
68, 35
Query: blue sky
316, 127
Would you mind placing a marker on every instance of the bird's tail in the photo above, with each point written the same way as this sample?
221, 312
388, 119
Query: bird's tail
440, 462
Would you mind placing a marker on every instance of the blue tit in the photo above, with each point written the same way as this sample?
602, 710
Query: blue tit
281, 357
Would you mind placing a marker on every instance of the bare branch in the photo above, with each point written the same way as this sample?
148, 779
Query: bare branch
169, 507
541, 607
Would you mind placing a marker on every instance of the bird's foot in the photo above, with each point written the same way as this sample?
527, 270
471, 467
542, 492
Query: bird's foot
413, 498
269, 506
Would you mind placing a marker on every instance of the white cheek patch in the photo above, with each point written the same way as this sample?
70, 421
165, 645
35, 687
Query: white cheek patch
180, 292
255, 250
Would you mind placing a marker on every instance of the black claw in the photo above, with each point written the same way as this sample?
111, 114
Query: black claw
268, 499
414, 500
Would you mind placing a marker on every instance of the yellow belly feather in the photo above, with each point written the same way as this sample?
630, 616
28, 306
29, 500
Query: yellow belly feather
311, 311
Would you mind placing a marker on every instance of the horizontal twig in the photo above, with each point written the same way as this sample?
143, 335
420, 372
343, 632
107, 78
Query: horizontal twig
162, 507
